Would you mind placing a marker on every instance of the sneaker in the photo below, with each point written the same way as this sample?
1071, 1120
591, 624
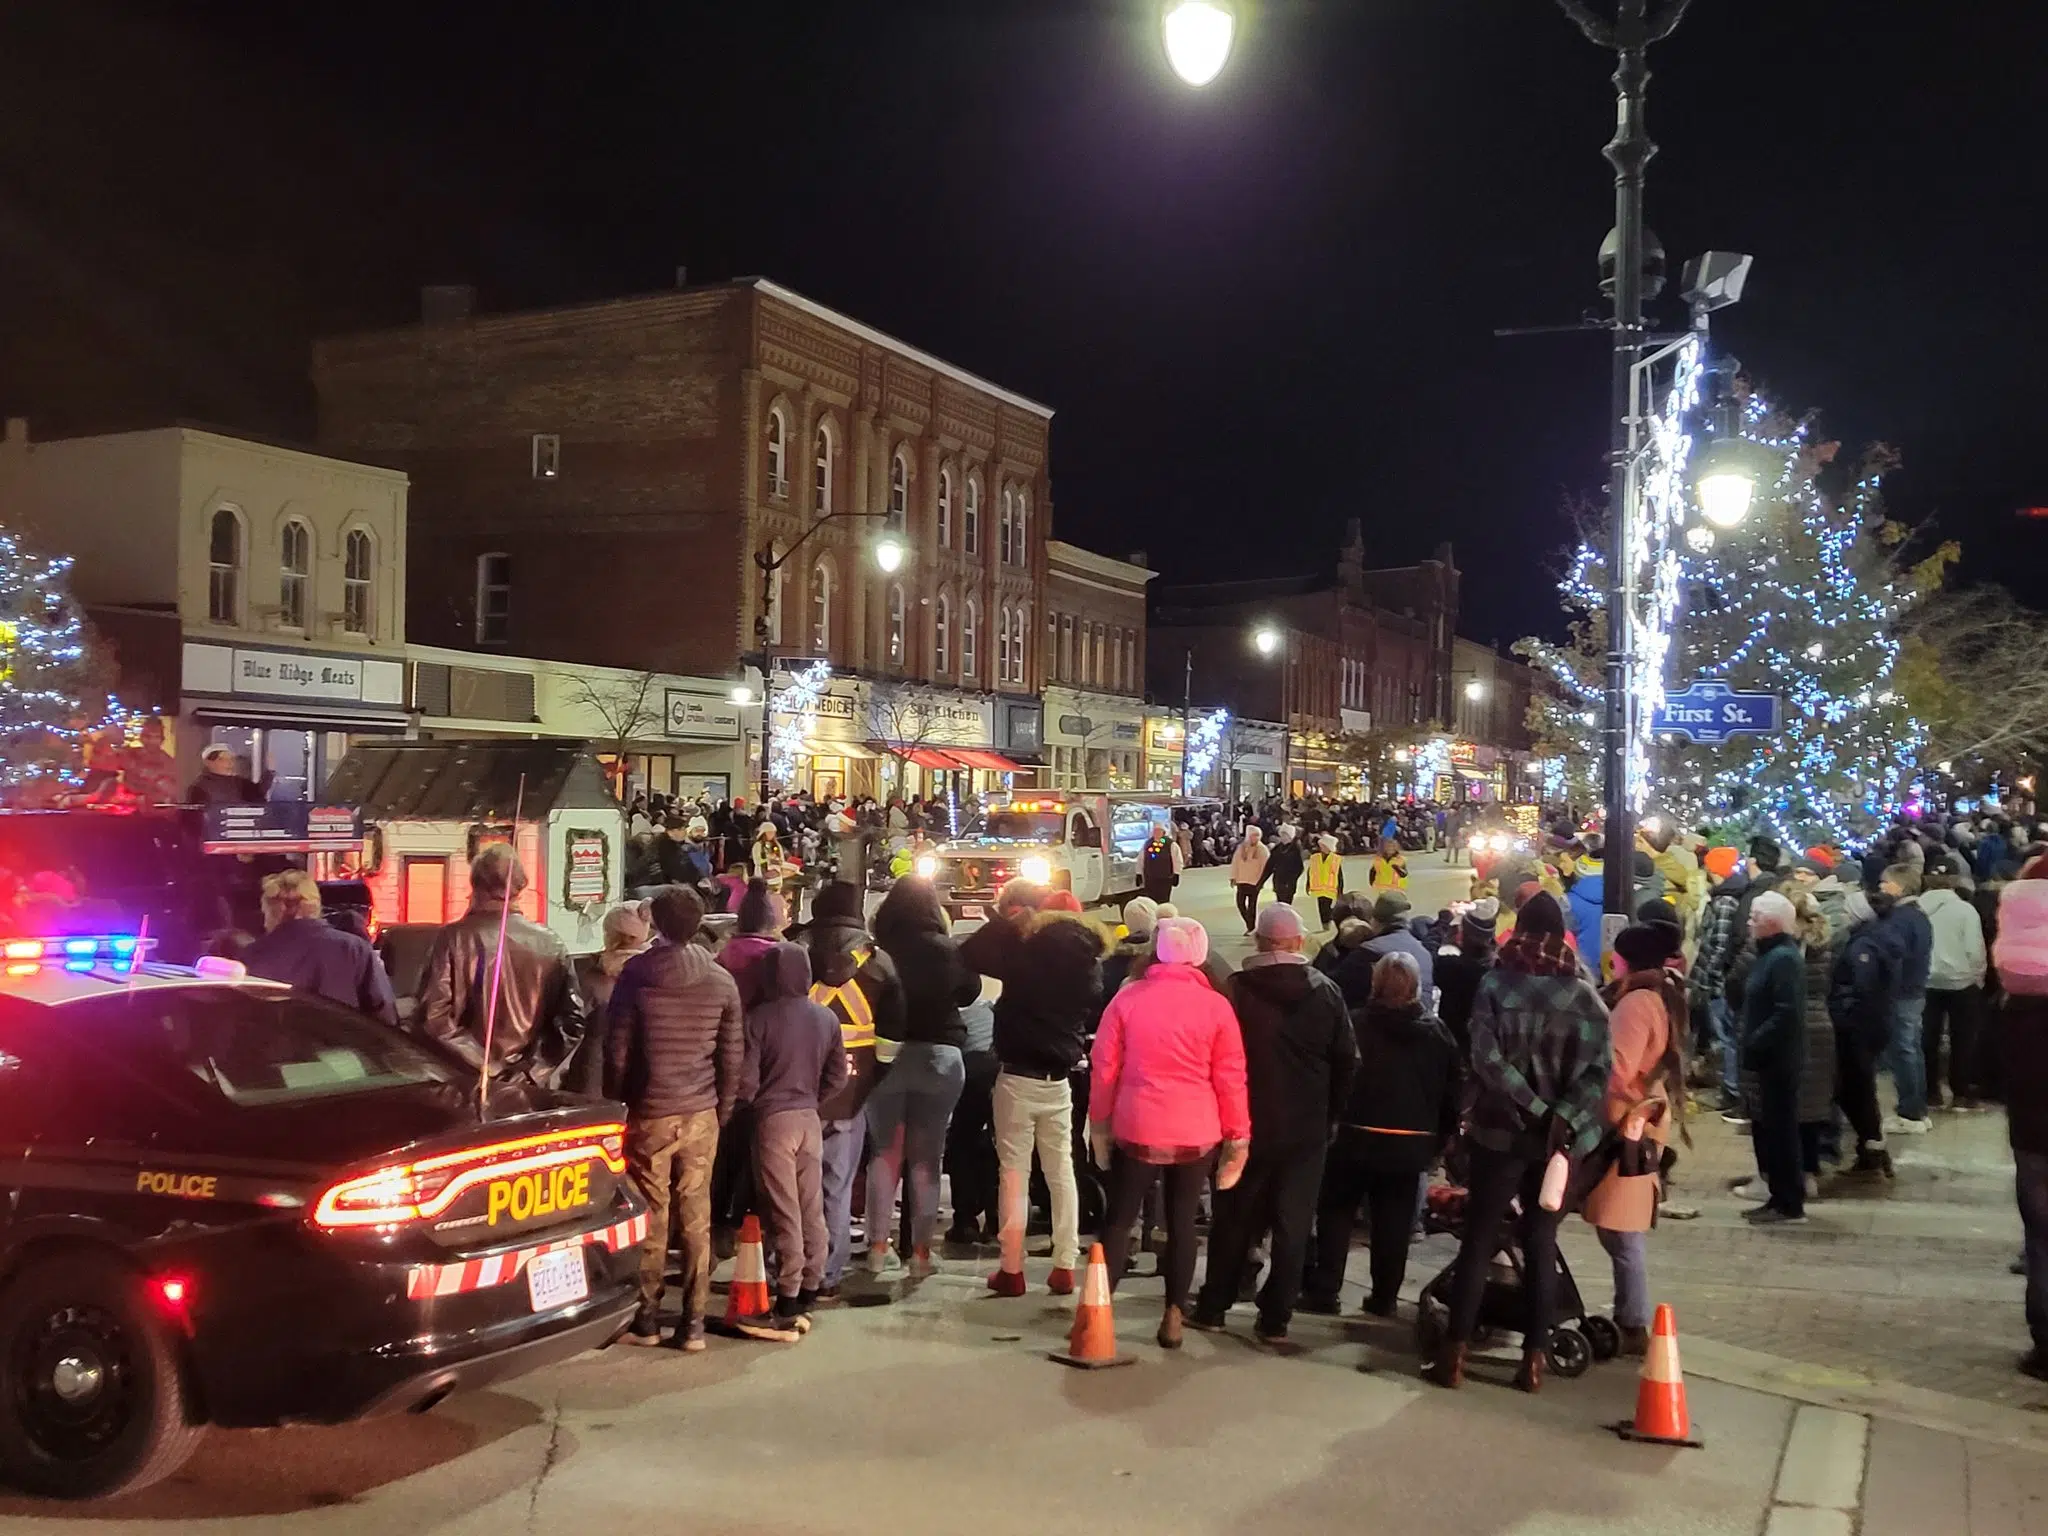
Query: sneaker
1269, 1338
1060, 1282
1381, 1306
1899, 1125
1734, 1117
921, 1265
1321, 1306
2035, 1364
880, 1262
1968, 1106
1207, 1322
689, 1337
828, 1295
1010, 1282
1753, 1189
1771, 1216
646, 1334
768, 1329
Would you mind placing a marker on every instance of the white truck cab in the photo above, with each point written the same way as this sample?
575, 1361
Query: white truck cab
1089, 843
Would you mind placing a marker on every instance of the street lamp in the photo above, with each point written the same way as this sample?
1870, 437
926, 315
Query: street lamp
1198, 35
889, 552
1724, 484
1266, 640
1475, 690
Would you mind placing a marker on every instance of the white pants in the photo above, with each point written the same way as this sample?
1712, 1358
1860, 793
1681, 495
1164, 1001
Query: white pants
1028, 1114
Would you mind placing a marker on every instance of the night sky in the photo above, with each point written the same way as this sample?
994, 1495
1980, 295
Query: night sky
1259, 310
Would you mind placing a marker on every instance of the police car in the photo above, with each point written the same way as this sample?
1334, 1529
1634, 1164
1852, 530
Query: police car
224, 1202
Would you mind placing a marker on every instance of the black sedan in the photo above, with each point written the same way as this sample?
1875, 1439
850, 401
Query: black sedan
223, 1202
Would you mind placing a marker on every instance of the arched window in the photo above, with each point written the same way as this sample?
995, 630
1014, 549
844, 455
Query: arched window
224, 568
358, 576
827, 457
1020, 545
1009, 525
1002, 645
899, 489
896, 644
942, 637
294, 574
946, 506
778, 453
1018, 643
970, 517
821, 608
968, 625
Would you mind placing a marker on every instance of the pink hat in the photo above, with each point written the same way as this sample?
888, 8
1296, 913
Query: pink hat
1180, 941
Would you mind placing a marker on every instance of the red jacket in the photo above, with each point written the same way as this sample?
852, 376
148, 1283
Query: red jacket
1169, 1064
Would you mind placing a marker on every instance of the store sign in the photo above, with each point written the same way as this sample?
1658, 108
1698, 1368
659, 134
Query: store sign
282, 826
307, 676
1025, 729
1076, 725
588, 878
699, 716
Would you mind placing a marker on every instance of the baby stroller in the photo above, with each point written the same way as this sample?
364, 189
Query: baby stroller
1577, 1337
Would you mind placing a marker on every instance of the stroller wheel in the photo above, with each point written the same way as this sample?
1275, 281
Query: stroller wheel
1604, 1334
1570, 1354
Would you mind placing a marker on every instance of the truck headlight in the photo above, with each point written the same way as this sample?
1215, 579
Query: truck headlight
1036, 869
927, 866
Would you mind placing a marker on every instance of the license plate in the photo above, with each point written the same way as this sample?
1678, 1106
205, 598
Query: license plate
556, 1279
973, 910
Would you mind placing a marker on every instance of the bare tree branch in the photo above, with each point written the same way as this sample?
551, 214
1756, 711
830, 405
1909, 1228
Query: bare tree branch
627, 707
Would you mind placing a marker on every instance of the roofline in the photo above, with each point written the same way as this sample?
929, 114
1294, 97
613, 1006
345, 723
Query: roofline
1098, 564
868, 333
188, 431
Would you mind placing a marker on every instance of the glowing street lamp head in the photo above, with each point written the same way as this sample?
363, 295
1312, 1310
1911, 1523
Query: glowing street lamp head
1475, 690
1725, 497
1266, 639
889, 554
1198, 34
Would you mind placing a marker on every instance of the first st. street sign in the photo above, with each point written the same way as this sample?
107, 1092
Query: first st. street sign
1711, 713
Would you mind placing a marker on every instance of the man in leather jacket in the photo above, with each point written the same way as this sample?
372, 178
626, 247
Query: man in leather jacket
540, 1019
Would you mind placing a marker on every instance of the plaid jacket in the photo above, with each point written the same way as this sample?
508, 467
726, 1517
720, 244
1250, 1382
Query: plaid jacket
1718, 940
1539, 1047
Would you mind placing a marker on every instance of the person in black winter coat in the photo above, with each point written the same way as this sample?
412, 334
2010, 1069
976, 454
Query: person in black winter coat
1863, 996
1284, 866
995, 949
1402, 1113
1460, 967
908, 1111
1300, 1055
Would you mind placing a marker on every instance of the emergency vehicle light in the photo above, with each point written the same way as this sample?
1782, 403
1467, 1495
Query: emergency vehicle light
422, 1190
73, 949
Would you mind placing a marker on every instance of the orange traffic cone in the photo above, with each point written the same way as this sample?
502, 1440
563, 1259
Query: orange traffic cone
749, 1309
1661, 1416
1092, 1344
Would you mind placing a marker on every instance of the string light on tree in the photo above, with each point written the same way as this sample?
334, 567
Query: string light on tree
54, 697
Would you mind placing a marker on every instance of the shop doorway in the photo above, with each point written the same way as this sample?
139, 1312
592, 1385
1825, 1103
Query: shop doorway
423, 892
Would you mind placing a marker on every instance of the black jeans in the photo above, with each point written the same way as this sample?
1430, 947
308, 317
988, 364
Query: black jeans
971, 1169
1959, 1011
1247, 904
1325, 906
1129, 1182
2030, 1178
1497, 1178
1780, 1155
1856, 1088
1389, 1200
1277, 1191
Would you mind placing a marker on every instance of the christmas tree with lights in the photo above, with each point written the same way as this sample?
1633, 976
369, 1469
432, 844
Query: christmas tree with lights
1803, 599
53, 688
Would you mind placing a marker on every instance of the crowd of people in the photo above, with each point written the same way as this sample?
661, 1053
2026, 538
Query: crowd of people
817, 1072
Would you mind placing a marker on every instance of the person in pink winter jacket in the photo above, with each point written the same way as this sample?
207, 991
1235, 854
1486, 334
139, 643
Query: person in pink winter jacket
1167, 1089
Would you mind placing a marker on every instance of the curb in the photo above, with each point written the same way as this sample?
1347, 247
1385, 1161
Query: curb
1855, 1392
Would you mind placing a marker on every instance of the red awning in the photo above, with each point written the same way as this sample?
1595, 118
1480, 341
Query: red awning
993, 762
927, 757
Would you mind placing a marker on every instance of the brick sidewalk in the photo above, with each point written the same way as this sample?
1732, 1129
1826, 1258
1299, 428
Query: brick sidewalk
1904, 1283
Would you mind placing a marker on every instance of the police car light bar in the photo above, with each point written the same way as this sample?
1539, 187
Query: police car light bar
80, 951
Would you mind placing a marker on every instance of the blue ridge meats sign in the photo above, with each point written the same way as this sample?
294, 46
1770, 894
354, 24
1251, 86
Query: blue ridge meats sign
1711, 713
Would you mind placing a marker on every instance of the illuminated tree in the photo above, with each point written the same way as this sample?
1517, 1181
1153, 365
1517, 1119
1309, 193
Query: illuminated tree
53, 685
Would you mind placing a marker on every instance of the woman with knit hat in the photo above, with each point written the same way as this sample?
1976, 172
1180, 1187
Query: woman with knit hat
1166, 1091
1645, 1096
1540, 1060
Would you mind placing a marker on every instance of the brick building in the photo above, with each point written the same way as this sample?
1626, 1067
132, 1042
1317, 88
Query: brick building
593, 484
1093, 658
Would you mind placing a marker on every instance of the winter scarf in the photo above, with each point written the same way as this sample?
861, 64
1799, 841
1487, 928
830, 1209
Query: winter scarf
1537, 947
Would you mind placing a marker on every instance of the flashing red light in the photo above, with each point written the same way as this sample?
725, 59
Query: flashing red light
2035, 512
174, 1289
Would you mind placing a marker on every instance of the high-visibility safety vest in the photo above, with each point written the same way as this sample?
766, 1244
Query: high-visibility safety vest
856, 1017
1386, 875
1325, 873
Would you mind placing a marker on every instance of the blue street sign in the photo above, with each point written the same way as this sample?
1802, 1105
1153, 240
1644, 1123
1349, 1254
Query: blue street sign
1710, 713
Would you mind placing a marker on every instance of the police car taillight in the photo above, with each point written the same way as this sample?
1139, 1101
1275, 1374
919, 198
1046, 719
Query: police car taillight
423, 1190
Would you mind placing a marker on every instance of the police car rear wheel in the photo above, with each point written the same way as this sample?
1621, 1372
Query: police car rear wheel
93, 1398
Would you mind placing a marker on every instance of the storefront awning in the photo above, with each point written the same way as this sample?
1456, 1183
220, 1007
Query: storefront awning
847, 749
989, 762
929, 757
309, 717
